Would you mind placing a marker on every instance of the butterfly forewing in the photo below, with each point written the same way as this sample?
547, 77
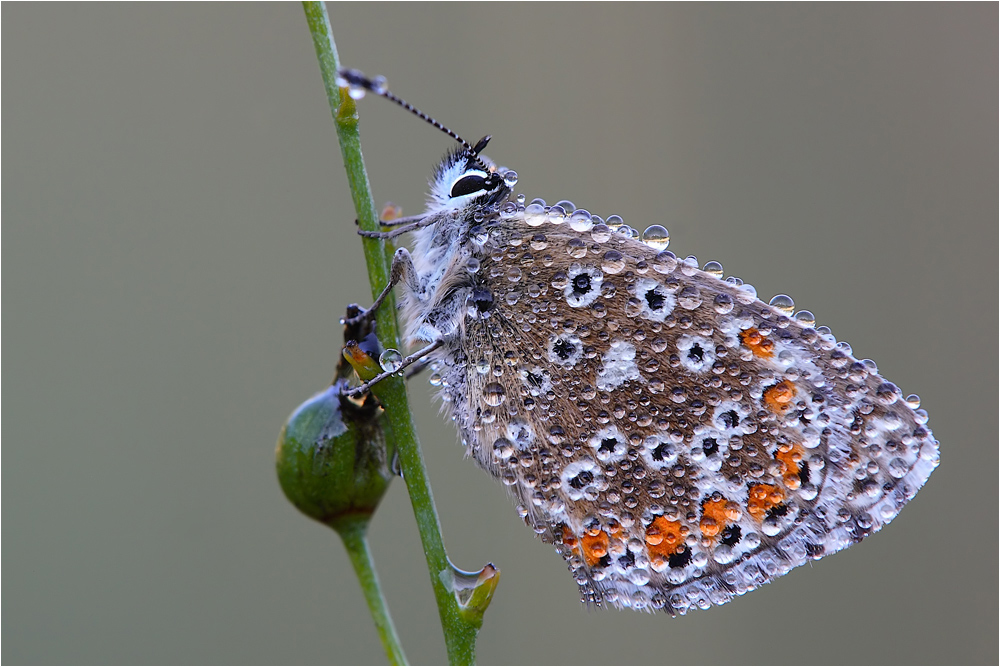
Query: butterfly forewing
678, 440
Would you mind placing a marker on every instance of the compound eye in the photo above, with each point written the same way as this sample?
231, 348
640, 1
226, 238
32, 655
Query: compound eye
470, 184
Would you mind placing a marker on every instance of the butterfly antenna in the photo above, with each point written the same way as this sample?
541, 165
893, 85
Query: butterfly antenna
358, 83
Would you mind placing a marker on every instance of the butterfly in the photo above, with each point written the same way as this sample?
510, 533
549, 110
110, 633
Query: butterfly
679, 441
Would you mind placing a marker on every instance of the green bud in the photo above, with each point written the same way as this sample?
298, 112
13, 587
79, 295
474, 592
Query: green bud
331, 457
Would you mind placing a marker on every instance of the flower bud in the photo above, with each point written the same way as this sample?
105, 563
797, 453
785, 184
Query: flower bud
332, 459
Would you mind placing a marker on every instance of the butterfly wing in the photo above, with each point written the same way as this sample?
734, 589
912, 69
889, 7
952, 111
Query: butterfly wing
678, 440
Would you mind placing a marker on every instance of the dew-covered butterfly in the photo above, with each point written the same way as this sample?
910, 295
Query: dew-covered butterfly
679, 441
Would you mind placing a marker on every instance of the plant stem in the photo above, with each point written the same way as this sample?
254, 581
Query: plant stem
459, 634
354, 535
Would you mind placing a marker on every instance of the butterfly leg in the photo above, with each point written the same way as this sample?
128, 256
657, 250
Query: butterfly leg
395, 222
407, 361
418, 367
402, 269
401, 226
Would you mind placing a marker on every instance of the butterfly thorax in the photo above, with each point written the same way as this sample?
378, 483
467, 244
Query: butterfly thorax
466, 194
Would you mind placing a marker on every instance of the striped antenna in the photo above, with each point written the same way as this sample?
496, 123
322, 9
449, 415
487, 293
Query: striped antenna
357, 84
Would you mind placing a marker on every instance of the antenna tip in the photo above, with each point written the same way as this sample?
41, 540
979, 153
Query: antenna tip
480, 145
357, 83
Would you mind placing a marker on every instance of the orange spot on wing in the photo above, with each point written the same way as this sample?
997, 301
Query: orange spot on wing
664, 537
763, 497
779, 397
790, 456
715, 515
568, 538
760, 345
595, 546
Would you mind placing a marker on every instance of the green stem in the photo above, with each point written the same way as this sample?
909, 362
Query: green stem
354, 535
460, 635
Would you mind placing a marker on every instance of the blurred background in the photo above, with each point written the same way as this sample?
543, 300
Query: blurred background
180, 245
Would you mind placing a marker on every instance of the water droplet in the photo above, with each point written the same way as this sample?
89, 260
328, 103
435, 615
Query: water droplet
714, 269
614, 222
613, 262
520, 199
539, 242
639, 577
581, 220
808, 491
748, 293
479, 234
689, 266
435, 380
723, 303
390, 360
665, 262
771, 526
689, 298
472, 265
503, 448
508, 210
560, 280
898, 468
494, 394
805, 318
510, 178
656, 236
887, 393
913, 401
783, 303
514, 274
479, 303
534, 214
600, 233
723, 554
566, 205
557, 215
576, 248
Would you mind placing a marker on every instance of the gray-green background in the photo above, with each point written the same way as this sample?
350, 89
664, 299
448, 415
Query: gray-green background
179, 244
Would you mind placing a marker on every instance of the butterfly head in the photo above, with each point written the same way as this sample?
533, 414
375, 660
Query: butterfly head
465, 179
